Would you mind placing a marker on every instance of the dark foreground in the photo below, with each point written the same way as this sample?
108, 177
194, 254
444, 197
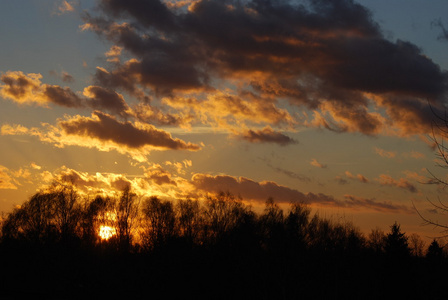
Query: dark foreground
218, 273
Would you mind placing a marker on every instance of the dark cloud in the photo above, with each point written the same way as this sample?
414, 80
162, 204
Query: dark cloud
260, 191
358, 202
257, 191
105, 128
325, 55
62, 96
104, 99
291, 174
267, 135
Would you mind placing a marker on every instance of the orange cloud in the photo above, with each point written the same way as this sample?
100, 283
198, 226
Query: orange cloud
6, 180
153, 182
228, 110
113, 55
317, 164
359, 177
28, 89
65, 7
159, 176
403, 183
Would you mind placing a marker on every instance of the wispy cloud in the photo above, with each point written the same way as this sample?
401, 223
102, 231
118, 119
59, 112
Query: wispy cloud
257, 191
403, 183
317, 164
359, 177
65, 7
388, 207
384, 153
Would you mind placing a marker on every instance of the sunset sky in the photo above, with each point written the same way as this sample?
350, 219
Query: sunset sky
325, 102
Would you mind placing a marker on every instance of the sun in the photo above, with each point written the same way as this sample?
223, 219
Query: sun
106, 232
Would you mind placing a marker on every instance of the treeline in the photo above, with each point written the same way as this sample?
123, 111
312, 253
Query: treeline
59, 242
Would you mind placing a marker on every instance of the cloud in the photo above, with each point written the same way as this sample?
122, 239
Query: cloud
64, 76
6, 180
113, 55
28, 89
362, 179
104, 99
35, 166
154, 181
260, 191
317, 164
65, 7
104, 132
388, 207
384, 153
291, 174
256, 191
267, 135
359, 177
403, 183
415, 154
328, 57
159, 176
231, 111
97, 183
105, 128
61, 96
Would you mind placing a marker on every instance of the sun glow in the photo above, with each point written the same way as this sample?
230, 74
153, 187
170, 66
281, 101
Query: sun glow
106, 232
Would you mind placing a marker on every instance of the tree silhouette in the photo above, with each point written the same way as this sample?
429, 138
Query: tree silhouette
416, 245
396, 243
190, 220
218, 241
126, 213
435, 251
67, 212
159, 221
221, 214
296, 223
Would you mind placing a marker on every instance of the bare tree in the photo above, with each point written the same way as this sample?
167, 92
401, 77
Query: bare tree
190, 220
159, 221
439, 133
376, 240
126, 213
416, 244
